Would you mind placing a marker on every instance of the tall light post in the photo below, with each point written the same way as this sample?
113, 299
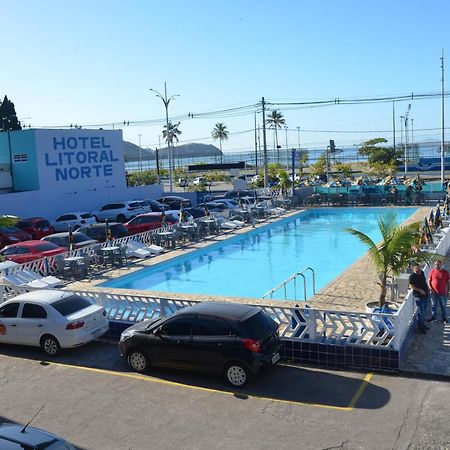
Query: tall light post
287, 150
140, 153
166, 100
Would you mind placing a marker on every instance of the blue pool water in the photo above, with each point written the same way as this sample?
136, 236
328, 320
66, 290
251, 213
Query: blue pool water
250, 265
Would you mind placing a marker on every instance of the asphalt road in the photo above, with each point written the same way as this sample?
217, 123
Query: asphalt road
93, 400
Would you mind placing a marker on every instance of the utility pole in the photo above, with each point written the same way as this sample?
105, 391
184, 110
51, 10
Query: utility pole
393, 123
266, 168
140, 153
287, 150
256, 148
406, 139
442, 123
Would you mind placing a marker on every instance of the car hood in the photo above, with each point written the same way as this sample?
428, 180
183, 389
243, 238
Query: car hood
144, 325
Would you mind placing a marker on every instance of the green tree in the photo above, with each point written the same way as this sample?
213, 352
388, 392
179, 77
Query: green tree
379, 154
396, 251
220, 132
344, 168
143, 178
380, 170
275, 120
8, 117
319, 167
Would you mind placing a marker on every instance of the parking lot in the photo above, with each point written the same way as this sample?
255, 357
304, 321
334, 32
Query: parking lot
93, 400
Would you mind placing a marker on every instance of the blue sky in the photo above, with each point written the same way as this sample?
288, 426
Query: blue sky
92, 62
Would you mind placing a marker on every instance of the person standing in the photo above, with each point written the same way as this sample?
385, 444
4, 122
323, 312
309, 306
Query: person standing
421, 292
439, 281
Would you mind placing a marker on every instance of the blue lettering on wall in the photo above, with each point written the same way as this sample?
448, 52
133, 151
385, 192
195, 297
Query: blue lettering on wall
81, 157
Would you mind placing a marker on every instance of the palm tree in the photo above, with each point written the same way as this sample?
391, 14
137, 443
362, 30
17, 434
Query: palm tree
396, 252
275, 120
173, 133
220, 132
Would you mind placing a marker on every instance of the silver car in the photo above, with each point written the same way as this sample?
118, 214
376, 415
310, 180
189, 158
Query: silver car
74, 220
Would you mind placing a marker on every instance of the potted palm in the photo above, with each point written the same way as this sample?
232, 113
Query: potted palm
398, 249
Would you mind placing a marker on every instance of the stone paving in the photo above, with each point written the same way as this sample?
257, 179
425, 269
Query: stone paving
350, 291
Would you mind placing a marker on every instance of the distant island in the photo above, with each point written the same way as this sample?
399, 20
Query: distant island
133, 152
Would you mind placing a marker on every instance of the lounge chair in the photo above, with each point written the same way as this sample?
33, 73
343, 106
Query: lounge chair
14, 280
137, 250
50, 280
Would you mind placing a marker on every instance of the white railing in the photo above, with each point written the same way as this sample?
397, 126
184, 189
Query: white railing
299, 324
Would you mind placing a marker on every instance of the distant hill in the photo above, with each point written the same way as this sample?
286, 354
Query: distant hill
133, 152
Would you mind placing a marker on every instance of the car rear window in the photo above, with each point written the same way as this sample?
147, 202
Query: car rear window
72, 304
258, 326
8, 230
43, 224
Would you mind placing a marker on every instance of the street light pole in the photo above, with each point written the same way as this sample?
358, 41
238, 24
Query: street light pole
166, 102
140, 153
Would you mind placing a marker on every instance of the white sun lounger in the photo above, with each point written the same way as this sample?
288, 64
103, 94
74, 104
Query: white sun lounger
13, 280
50, 280
135, 250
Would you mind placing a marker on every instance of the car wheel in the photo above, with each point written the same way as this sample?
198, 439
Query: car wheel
50, 345
138, 361
121, 218
237, 374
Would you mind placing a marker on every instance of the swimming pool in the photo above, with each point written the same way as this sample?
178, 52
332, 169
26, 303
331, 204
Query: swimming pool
249, 265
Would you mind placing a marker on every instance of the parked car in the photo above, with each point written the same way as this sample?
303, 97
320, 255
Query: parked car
11, 235
37, 227
97, 231
51, 319
120, 211
199, 181
18, 437
73, 219
232, 339
182, 182
154, 205
148, 221
175, 202
30, 250
230, 203
62, 239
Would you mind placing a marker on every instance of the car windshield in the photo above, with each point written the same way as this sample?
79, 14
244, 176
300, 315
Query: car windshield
69, 305
258, 326
45, 246
80, 237
8, 230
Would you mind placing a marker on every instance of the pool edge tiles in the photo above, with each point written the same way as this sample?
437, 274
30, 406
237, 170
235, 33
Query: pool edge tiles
179, 256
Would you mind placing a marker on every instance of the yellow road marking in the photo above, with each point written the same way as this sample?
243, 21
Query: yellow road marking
151, 379
360, 391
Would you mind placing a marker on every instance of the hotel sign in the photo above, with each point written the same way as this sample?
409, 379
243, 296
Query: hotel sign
81, 157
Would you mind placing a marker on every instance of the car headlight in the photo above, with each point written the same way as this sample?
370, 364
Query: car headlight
126, 335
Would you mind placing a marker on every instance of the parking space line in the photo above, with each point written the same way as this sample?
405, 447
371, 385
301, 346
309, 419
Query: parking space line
360, 391
151, 379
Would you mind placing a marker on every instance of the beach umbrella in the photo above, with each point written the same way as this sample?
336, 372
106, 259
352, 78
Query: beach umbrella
71, 239
426, 228
437, 217
107, 231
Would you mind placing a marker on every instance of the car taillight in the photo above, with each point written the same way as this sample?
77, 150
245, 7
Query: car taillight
252, 344
74, 325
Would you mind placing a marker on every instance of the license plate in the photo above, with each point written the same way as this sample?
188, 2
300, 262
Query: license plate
275, 358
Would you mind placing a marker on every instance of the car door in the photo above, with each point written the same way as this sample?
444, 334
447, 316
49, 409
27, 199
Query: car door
173, 344
212, 339
32, 324
8, 323
23, 255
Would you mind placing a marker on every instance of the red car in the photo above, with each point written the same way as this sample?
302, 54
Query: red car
30, 250
36, 226
11, 235
148, 221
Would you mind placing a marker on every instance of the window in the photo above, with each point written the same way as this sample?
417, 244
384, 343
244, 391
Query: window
32, 311
86, 216
22, 250
20, 157
42, 224
210, 326
71, 304
66, 217
9, 311
180, 326
45, 246
9, 251
258, 326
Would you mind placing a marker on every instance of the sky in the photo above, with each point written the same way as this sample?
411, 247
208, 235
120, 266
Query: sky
93, 62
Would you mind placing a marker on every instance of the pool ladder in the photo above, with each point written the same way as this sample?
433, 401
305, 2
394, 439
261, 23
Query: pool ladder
293, 279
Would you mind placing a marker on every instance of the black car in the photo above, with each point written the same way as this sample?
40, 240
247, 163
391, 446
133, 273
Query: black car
232, 339
175, 202
155, 206
97, 231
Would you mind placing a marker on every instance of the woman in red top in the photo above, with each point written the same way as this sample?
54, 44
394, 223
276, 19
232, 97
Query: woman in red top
438, 280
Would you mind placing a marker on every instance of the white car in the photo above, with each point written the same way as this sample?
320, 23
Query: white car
51, 319
120, 211
199, 181
75, 220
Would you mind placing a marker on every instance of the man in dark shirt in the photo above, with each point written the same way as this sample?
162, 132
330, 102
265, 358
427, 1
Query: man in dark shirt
419, 286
